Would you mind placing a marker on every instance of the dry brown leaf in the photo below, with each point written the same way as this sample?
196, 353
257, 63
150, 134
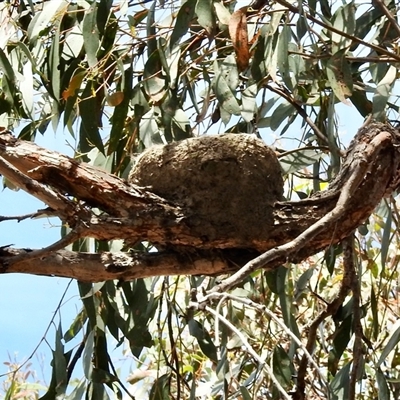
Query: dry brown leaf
239, 37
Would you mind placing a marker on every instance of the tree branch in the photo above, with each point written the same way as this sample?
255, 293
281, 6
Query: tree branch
98, 267
122, 211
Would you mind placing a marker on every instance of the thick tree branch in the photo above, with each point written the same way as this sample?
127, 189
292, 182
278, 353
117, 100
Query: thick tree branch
300, 229
98, 267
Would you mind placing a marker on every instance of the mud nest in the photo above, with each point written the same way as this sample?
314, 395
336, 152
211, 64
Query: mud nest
227, 184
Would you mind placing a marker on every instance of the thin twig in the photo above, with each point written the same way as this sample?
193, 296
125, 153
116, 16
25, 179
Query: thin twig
378, 49
251, 351
44, 335
264, 309
47, 212
331, 309
388, 14
357, 327
300, 110
69, 238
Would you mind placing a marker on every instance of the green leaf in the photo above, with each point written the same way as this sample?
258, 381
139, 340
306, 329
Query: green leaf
54, 65
88, 355
161, 388
205, 15
296, 160
197, 330
362, 103
73, 43
382, 94
282, 366
79, 392
151, 30
43, 18
245, 393
120, 113
365, 23
303, 281
26, 87
391, 344
283, 111
385, 242
383, 389
340, 383
6, 68
59, 378
90, 34
339, 76
148, 129
182, 23
249, 104
223, 14
224, 94
155, 83
375, 315
89, 132
76, 326
283, 55
343, 20
339, 344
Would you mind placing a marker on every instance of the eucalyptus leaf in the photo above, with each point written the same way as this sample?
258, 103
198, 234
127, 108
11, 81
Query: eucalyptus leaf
297, 160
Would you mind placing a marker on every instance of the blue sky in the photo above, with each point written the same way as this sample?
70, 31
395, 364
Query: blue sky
28, 302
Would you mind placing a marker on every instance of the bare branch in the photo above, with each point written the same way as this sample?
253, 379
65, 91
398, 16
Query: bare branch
388, 14
47, 212
90, 267
48, 196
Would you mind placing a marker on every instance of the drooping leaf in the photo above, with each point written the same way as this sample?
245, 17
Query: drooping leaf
222, 13
283, 54
79, 392
383, 389
282, 366
88, 355
59, 378
296, 160
391, 344
385, 243
342, 337
382, 94
148, 129
54, 65
90, 32
6, 68
155, 82
120, 111
182, 23
197, 330
281, 112
343, 20
76, 326
339, 76
42, 18
249, 104
161, 388
205, 15
88, 109
340, 383
224, 84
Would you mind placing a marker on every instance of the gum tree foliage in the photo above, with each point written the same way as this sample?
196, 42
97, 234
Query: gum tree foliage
122, 76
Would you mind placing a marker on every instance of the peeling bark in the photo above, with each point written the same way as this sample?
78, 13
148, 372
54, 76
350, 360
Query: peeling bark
134, 213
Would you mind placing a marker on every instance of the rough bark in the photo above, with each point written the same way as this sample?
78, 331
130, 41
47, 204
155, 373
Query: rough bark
133, 213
